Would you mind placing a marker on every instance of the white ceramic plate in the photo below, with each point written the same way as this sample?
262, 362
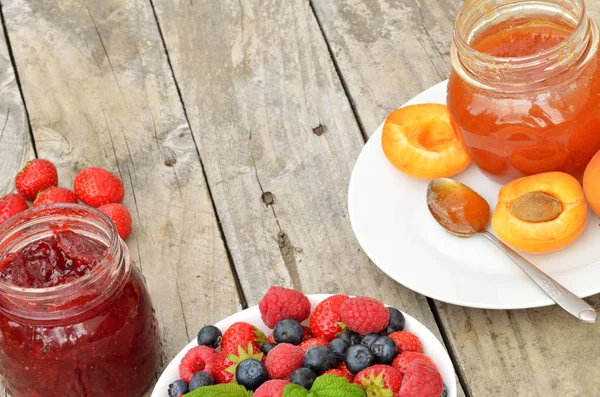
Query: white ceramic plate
431, 346
391, 221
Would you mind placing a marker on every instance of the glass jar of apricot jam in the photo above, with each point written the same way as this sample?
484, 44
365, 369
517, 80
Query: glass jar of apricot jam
76, 319
524, 93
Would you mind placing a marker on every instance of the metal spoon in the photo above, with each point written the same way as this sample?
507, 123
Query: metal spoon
447, 200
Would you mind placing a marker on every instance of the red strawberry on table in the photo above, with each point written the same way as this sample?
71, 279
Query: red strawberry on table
10, 205
407, 342
199, 358
403, 359
96, 186
364, 315
379, 380
120, 216
54, 195
421, 380
325, 320
240, 334
284, 359
281, 303
226, 363
37, 175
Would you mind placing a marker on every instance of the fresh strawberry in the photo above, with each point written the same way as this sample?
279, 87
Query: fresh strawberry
403, 359
341, 373
271, 388
312, 342
120, 216
379, 380
199, 358
282, 303
37, 175
10, 205
407, 342
283, 360
54, 195
96, 186
240, 334
271, 339
226, 363
421, 380
325, 320
364, 315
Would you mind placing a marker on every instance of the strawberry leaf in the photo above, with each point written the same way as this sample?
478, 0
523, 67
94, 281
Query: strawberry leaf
229, 390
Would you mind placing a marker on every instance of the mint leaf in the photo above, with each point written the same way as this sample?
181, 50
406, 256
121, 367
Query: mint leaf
228, 390
335, 386
293, 390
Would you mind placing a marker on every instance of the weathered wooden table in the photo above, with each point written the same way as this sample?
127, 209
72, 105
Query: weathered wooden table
235, 125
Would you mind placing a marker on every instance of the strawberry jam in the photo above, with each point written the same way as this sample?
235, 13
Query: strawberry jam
76, 319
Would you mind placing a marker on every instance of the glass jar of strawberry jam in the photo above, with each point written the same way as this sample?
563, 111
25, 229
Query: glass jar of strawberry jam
524, 93
76, 319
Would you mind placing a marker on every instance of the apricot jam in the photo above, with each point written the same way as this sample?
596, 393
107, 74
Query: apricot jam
524, 94
76, 319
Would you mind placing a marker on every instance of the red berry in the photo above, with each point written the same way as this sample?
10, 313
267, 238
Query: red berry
307, 333
325, 319
407, 342
378, 379
226, 363
312, 342
120, 216
421, 380
199, 358
10, 205
271, 339
364, 315
240, 335
403, 359
271, 388
37, 175
282, 303
341, 373
54, 195
96, 186
284, 359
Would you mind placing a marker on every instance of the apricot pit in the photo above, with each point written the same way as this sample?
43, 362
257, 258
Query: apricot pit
536, 207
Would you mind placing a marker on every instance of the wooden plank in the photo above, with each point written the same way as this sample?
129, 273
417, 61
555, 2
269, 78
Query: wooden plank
386, 55
278, 141
100, 92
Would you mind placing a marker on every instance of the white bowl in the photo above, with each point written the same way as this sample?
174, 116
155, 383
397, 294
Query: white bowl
431, 346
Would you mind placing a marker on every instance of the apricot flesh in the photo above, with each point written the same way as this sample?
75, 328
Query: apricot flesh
420, 141
540, 213
591, 183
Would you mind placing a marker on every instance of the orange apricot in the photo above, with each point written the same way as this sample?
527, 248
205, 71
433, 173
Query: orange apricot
420, 141
540, 213
591, 183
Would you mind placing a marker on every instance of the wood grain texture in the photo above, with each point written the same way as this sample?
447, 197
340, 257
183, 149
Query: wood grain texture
100, 93
389, 51
274, 126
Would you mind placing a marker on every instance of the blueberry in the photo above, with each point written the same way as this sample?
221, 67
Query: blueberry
178, 388
319, 359
358, 358
251, 373
445, 393
304, 377
201, 379
338, 347
210, 336
288, 331
369, 339
384, 349
267, 347
351, 337
396, 322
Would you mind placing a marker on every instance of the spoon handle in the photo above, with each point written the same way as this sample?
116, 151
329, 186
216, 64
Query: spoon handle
559, 294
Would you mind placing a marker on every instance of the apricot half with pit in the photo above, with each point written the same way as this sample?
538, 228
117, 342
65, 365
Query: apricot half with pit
540, 213
420, 141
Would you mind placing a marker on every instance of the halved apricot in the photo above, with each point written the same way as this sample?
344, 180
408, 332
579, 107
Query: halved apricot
420, 141
540, 213
591, 183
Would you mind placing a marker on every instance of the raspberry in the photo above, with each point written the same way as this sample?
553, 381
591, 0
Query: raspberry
199, 358
272, 388
312, 342
341, 373
405, 358
407, 342
364, 315
421, 380
379, 380
325, 319
282, 303
283, 360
